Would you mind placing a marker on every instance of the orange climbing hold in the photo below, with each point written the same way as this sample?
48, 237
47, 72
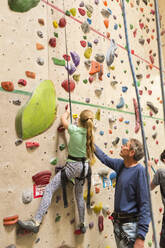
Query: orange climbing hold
108, 35
8, 86
101, 72
30, 74
105, 3
10, 220
95, 67
39, 46
106, 23
141, 9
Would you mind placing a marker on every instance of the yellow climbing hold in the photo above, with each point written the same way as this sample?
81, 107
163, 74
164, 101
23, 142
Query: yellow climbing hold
76, 77
97, 115
89, 14
107, 246
88, 53
112, 68
73, 11
55, 24
85, 194
75, 116
97, 208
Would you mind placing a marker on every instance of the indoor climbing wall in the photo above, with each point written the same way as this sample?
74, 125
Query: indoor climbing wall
41, 42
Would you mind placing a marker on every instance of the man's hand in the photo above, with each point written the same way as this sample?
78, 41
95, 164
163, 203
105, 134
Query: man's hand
139, 243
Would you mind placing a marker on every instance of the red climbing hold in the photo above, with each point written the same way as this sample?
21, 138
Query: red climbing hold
101, 223
135, 32
82, 11
66, 57
152, 59
77, 232
62, 22
148, 41
52, 42
8, 86
32, 144
141, 25
83, 43
22, 82
65, 85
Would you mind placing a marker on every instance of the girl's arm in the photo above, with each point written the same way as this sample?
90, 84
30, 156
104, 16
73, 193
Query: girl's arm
64, 119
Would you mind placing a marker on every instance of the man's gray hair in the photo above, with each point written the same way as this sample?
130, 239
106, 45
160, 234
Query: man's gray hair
137, 146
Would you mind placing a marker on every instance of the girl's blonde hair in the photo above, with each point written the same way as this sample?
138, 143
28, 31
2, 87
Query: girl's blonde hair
86, 121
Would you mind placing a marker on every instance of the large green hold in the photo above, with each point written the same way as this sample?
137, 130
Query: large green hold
38, 113
22, 5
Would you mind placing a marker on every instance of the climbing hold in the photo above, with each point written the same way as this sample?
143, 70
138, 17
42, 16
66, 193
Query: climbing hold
60, 62
67, 13
97, 208
101, 223
89, 14
54, 161
96, 41
10, 246
89, 8
83, 43
40, 61
124, 141
76, 77
8, 86
87, 100
75, 58
105, 13
90, 79
103, 172
99, 58
88, 52
18, 142
95, 67
141, 41
58, 217
41, 104
30, 74
91, 225
40, 34
124, 88
52, 42
87, 63
121, 103
154, 109
154, 135
101, 133
97, 115
39, 46
100, 74
85, 81
111, 118
82, 11
111, 52
27, 197
22, 5
66, 57
106, 23
113, 83
55, 24
96, 2
150, 243
89, 44
81, 4
116, 141
70, 68
42, 177
85, 27
62, 22
73, 11
65, 85
98, 92
32, 144
10, 220
116, 26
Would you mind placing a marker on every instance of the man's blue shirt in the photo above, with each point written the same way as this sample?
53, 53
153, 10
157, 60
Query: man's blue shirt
131, 191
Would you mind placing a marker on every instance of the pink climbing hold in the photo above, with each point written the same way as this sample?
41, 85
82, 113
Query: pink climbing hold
152, 59
82, 11
134, 33
149, 92
91, 79
62, 22
148, 76
52, 42
83, 43
65, 85
141, 25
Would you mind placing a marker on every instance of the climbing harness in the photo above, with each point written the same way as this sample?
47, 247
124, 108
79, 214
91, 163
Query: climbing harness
160, 55
82, 178
140, 116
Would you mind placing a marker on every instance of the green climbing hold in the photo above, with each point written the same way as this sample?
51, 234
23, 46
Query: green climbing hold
127, 131
119, 25
85, 81
38, 114
54, 161
55, 34
62, 147
67, 13
58, 61
138, 83
127, 1
22, 5
131, 26
58, 217
84, 37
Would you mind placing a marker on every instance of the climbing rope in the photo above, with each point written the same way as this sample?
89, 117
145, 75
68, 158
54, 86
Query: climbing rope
66, 49
160, 55
140, 116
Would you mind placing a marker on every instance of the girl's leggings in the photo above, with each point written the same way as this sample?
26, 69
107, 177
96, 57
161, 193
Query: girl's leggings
73, 170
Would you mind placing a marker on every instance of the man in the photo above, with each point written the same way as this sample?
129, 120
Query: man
131, 215
159, 179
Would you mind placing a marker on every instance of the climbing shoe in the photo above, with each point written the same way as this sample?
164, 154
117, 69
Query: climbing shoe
29, 225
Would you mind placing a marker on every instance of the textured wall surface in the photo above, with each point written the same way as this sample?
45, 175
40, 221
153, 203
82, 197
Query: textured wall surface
18, 54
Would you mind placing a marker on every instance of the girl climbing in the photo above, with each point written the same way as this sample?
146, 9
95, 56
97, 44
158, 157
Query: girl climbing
80, 152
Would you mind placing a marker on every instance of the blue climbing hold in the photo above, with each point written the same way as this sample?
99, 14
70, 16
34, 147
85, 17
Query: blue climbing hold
124, 141
108, 74
89, 20
112, 175
121, 103
124, 88
116, 26
101, 133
